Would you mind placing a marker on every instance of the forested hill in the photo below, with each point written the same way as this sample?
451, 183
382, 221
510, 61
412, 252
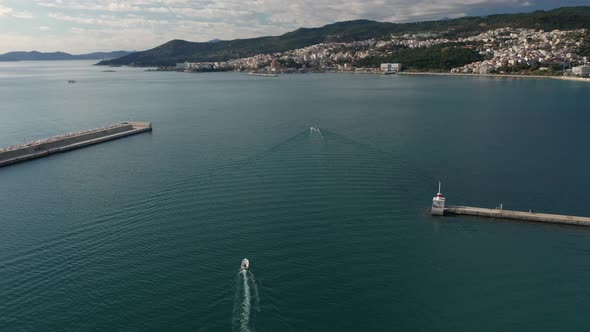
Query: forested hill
179, 50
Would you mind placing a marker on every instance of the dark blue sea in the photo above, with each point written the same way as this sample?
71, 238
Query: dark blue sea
147, 233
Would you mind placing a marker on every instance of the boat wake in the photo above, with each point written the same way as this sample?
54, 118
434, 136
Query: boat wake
245, 302
316, 136
314, 129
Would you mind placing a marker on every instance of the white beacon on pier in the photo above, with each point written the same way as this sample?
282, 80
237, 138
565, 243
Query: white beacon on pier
438, 203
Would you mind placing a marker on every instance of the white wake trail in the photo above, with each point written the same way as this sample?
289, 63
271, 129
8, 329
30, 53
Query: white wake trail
315, 130
245, 302
245, 317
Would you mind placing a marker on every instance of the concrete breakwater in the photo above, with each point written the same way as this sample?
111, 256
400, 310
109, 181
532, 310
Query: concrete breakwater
439, 208
66, 142
518, 215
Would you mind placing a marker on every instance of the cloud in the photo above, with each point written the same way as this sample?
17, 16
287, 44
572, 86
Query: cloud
9, 12
5, 11
289, 13
86, 25
25, 15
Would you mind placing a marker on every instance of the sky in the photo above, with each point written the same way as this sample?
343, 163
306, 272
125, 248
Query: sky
83, 26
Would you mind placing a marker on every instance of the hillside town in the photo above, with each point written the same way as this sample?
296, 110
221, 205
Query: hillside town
504, 50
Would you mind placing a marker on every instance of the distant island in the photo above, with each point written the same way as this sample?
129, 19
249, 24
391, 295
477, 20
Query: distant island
38, 56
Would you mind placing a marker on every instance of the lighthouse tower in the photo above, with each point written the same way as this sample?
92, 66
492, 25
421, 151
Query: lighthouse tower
438, 203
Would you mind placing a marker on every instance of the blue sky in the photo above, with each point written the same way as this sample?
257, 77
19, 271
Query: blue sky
81, 26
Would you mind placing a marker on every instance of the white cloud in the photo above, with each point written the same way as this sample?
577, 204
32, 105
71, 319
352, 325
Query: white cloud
5, 11
26, 15
142, 24
291, 13
10, 12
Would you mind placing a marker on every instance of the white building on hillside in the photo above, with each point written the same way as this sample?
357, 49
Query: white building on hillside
391, 67
581, 70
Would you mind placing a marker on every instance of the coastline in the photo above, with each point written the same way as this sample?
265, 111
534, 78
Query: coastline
565, 78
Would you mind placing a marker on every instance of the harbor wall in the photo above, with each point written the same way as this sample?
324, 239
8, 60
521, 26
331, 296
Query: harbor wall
518, 215
72, 142
62, 142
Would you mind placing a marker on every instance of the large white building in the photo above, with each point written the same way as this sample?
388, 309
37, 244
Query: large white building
581, 70
391, 67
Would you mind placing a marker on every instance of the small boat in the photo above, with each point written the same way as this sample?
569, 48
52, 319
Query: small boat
245, 264
253, 73
71, 81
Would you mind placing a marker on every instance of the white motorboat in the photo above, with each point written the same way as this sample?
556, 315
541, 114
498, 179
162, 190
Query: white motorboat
245, 264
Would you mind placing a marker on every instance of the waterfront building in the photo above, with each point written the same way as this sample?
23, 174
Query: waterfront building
391, 67
581, 70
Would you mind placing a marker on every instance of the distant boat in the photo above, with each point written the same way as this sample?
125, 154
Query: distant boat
71, 81
252, 73
108, 71
387, 72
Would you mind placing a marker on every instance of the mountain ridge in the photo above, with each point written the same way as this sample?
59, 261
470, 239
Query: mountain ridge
38, 56
178, 50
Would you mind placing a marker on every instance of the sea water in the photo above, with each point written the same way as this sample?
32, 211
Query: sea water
148, 232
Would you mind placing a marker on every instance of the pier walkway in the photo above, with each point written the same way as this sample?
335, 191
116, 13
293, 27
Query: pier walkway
518, 215
68, 142
439, 209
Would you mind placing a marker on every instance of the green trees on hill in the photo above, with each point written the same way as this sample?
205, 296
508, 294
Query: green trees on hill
584, 49
438, 57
